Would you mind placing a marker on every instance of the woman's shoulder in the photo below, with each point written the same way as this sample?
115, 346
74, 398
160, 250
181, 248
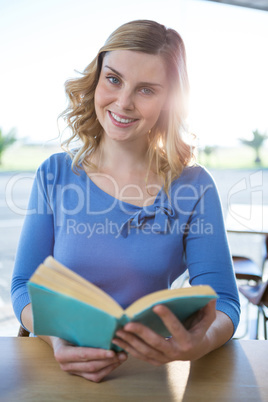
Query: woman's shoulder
196, 175
57, 168
57, 161
194, 182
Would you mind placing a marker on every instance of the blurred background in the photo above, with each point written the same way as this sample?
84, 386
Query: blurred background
43, 43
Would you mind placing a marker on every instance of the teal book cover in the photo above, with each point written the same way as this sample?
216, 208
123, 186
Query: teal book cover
81, 324
56, 314
67, 306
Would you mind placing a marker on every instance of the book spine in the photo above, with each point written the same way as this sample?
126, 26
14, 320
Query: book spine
123, 321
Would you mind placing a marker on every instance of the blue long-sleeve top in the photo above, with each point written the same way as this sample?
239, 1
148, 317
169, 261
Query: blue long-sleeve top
126, 250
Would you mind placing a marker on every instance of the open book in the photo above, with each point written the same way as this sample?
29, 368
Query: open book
68, 306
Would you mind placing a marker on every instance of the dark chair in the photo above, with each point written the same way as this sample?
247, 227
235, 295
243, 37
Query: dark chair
246, 269
23, 332
258, 296
265, 253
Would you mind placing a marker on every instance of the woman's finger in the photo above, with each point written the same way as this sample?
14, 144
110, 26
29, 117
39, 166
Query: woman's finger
136, 352
202, 322
145, 338
98, 375
91, 366
64, 353
205, 318
145, 341
144, 333
171, 322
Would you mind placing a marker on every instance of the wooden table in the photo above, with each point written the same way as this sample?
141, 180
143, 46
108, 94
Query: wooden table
237, 371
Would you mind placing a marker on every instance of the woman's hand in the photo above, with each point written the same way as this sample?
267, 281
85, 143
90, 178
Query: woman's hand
143, 343
91, 363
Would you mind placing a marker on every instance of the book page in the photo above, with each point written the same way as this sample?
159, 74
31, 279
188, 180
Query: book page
68, 273
167, 294
82, 290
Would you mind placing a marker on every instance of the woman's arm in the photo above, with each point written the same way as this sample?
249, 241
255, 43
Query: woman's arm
207, 252
91, 363
36, 243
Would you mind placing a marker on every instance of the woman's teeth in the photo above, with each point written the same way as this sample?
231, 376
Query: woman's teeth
117, 118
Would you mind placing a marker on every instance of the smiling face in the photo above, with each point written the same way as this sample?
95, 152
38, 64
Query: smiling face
131, 93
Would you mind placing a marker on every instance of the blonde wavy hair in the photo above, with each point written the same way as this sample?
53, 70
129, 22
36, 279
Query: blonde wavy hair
168, 146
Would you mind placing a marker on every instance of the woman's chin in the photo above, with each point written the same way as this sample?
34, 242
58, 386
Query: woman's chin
119, 136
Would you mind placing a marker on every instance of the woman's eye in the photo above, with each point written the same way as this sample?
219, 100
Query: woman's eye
147, 91
113, 80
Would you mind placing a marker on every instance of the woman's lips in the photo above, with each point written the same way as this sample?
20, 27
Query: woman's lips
121, 121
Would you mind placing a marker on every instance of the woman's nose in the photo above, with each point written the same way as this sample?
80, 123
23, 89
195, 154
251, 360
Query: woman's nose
125, 100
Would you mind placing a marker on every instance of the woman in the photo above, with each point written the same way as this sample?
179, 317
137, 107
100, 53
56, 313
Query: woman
128, 209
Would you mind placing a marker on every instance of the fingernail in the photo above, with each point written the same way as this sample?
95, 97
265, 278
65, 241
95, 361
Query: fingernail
110, 354
122, 356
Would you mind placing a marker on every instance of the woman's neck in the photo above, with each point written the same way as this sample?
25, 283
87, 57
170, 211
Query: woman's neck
120, 155
123, 171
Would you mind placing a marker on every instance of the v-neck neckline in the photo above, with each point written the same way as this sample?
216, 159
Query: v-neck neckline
108, 196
